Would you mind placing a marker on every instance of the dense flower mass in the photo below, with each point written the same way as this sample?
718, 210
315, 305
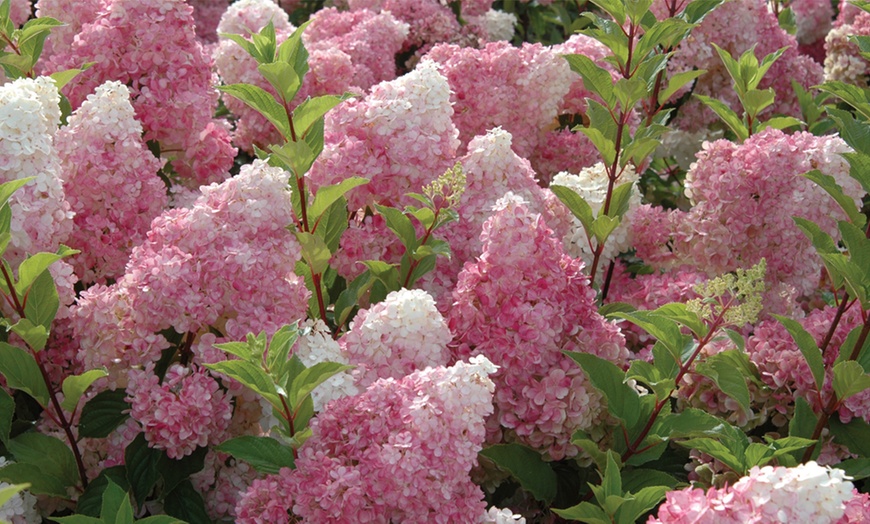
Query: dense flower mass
521, 304
185, 411
201, 266
151, 47
101, 147
805, 493
400, 137
389, 454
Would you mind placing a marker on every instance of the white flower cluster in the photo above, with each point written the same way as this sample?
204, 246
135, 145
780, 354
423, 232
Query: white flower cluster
21, 508
591, 184
499, 25
29, 116
502, 516
249, 16
395, 337
805, 493
315, 345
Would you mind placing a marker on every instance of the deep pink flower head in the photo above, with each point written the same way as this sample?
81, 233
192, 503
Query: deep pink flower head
19, 11
110, 179
758, 27
402, 451
150, 46
370, 39
227, 262
74, 14
744, 197
520, 89
400, 137
521, 304
403, 333
267, 501
185, 411
207, 14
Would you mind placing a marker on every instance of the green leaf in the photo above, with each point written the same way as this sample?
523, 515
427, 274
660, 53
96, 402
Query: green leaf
856, 243
8, 188
250, 375
401, 225
327, 195
74, 387
332, 224
142, 473
349, 298
280, 345
849, 379
611, 480
718, 451
641, 503
821, 240
855, 435
261, 101
313, 109
185, 503
729, 379
856, 469
661, 327
585, 512
526, 466
35, 265
40, 483
293, 51
855, 97
41, 302
264, 454
680, 313
596, 79
807, 345
7, 412
843, 269
734, 122
306, 381
575, 203
603, 226
34, 335
604, 145
830, 185
116, 507
646, 373
690, 422
283, 78
62, 78
780, 122
174, 471
10, 491
47, 454
620, 201
78, 519
634, 480
314, 251
696, 11
677, 81
103, 413
755, 100
22, 372
622, 400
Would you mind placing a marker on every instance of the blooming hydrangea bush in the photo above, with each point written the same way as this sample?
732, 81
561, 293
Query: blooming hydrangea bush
472, 262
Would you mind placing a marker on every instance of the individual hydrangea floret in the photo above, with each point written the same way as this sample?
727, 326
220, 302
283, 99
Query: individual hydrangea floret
403, 333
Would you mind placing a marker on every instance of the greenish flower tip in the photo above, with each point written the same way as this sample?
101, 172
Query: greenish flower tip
447, 188
736, 297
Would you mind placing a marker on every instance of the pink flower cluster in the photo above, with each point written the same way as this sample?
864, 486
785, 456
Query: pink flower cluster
843, 61
393, 338
101, 147
150, 46
226, 262
348, 53
185, 411
784, 369
758, 27
486, 84
390, 454
400, 137
521, 304
768, 495
744, 197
